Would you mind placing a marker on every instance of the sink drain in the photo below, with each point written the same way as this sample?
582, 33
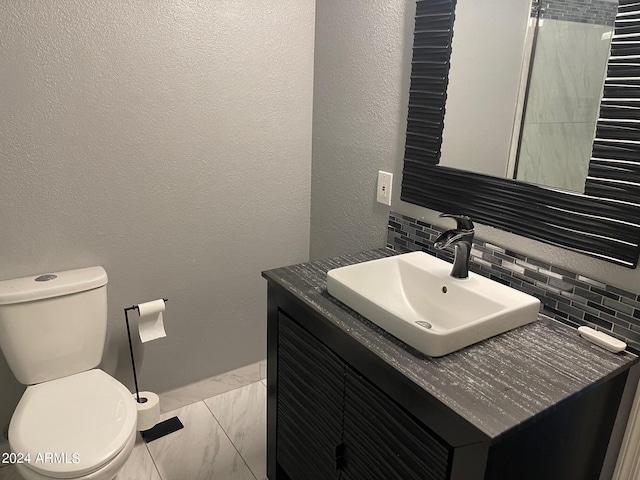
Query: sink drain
424, 324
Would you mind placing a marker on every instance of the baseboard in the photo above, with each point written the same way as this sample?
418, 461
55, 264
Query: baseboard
212, 386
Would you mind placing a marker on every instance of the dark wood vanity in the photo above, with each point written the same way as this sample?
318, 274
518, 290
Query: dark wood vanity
346, 400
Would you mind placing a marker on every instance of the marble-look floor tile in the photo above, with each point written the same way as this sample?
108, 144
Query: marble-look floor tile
198, 391
242, 415
9, 472
140, 465
200, 451
264, 381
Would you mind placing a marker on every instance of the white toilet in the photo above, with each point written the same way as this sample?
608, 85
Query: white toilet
73, 421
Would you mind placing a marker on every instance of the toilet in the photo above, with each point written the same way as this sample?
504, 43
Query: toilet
74, 421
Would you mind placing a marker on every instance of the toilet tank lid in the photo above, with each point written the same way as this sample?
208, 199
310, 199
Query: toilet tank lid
48, 285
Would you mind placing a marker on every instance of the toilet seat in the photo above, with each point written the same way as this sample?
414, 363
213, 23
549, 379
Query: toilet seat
84, 419
109, 471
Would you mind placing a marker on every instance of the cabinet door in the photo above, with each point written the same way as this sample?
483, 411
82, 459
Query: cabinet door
310, 398
382, 441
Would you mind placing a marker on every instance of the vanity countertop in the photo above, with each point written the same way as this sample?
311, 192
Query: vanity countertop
496, 384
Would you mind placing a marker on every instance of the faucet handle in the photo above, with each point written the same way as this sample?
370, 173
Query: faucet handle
463, 222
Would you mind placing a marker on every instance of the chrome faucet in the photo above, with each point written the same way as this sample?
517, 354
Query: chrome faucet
461, 238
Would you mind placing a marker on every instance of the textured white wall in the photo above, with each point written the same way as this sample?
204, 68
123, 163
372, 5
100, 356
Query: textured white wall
169, 142
357, 119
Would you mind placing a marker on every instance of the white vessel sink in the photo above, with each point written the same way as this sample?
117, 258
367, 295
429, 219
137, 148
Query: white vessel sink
413, 297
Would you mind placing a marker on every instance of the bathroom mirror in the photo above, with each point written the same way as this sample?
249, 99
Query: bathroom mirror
601, 222
537, 71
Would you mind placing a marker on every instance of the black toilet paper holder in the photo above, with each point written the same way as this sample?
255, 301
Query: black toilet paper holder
165, 427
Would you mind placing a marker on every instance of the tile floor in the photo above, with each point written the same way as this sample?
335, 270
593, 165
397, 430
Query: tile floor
224, 435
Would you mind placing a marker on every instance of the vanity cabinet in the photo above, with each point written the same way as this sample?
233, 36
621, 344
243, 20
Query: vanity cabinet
347, 401
333, 423
383, 441
310, 404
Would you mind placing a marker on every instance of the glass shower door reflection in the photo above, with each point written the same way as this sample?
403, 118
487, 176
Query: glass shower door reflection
563, 96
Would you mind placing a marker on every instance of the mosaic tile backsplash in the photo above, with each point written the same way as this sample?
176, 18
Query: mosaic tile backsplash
566, 296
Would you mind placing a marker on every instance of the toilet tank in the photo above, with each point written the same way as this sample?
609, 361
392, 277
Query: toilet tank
53, 325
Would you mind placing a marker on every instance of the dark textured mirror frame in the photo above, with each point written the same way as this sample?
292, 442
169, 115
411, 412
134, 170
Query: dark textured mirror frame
604, 222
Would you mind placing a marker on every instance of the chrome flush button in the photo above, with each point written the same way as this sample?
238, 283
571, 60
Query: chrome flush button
46, 278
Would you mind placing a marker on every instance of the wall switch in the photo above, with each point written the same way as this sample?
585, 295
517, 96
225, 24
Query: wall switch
385, 179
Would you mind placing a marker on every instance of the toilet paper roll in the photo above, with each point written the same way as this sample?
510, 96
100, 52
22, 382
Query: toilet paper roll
150, 325
148, 411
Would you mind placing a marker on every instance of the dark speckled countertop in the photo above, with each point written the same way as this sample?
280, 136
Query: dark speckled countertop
496, 384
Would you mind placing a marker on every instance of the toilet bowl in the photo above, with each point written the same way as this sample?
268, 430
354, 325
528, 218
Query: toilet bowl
82, 426
73, 420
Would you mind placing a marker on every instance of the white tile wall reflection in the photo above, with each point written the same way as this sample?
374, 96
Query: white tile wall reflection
563, 103
224, 436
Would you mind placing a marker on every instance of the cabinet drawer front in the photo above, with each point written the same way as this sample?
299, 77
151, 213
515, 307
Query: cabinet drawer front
310, 397
384, 442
